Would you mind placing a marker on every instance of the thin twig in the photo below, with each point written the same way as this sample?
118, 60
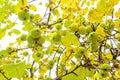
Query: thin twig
53, 59
56, 5
31, 69
59, 60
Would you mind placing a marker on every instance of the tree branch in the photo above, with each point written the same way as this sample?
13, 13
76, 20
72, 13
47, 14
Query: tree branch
31, 70
59, 60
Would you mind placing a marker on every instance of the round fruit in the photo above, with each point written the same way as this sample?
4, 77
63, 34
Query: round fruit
23, 37
103, 74
50, 64
94, 46
105, 67
77, 55
56, 38
74, 27
41, 40
23, 15
82, 30
31, 40
58, 26
89, 29
35, 33
81, 51
25, 53
31, 17
37, 55
9, 49
93, 37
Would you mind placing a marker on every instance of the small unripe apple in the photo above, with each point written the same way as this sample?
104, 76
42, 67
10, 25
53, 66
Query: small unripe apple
23, 15
93, 37
23, 37
35, 33
82, 30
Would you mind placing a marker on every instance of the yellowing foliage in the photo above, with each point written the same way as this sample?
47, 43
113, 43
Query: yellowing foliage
59, 39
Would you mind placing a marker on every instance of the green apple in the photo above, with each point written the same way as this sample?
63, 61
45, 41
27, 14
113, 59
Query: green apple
94, 46
80, 52
93, 37
50, 64
58, 26
9, 49
104, 70
82, 30
31, 17
31, 40
35, 33
23, 37
103, 74
37, 55
105, 67
74, 27
25, 53
89, 29
23, 15
41, 40
56, 38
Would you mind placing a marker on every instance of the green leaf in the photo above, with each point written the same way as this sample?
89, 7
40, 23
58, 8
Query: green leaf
67, 23
14, 70
1, 77
70, 39
3, 53
27, 26
73, 77
2, 33
82, 71
16, 31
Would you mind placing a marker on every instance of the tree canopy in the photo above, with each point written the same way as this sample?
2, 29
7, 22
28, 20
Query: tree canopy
66, 40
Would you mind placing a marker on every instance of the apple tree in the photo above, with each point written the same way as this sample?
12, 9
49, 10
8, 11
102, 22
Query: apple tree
66, 40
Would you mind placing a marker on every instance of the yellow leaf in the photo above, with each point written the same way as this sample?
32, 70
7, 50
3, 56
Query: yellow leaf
95, 15
117, 73
109, 56
33, 7
23, 3
85, 11
117, 25
67, 56
117, 14
100, 31
70, 39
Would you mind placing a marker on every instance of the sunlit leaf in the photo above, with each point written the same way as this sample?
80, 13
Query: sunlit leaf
16, 31
14, 70
70, 39
100, 31
117, 14
23, 3
33, 7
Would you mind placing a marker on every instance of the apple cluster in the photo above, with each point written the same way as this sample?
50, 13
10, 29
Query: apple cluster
34, 37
